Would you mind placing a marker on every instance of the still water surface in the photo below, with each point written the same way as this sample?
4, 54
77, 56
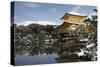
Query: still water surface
36, 59
40, 54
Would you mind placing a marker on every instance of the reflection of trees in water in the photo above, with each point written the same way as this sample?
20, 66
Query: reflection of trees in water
66, 48
57, 47
63, 60
35, 49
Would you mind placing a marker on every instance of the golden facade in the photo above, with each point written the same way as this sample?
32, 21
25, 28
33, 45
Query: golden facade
73, 19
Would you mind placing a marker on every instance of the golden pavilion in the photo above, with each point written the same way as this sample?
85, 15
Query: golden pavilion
72, 19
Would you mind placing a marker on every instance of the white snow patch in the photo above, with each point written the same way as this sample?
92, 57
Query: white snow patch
90, 45
76, 13
25, 23
85, 39
80, 53
47, 40
73, 27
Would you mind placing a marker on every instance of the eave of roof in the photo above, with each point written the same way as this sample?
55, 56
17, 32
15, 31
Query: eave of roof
75, 13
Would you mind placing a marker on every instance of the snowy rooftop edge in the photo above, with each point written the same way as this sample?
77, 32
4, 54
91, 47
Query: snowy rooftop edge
75, 13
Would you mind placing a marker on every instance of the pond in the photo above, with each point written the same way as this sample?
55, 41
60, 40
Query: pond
43, 53
36, 59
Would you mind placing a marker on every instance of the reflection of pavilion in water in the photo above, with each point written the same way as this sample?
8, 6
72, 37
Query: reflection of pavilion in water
53, 49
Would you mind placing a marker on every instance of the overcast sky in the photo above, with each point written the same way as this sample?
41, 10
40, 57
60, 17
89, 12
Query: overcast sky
44, 13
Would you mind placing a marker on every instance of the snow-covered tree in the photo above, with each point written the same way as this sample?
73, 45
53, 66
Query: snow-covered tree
90, 52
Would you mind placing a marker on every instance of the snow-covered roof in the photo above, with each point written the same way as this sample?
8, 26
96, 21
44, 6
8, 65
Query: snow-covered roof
75, 13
